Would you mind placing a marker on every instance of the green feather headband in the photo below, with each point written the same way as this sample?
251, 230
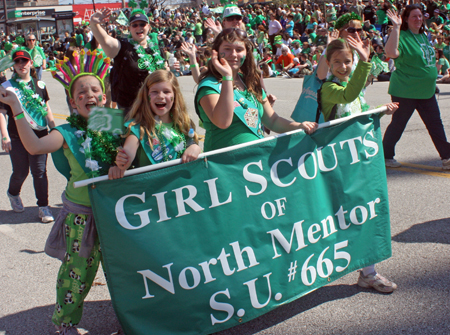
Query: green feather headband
346, 18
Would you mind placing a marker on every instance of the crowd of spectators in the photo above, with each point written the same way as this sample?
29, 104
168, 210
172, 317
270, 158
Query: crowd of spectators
288, 40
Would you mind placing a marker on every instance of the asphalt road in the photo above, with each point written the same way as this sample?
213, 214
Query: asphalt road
420, 219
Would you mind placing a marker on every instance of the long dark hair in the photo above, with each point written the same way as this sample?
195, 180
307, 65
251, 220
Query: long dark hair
405, 16
251, 74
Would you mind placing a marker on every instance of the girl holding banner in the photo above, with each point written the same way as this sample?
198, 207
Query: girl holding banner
159, 127
233, 107
341, 96
73, 238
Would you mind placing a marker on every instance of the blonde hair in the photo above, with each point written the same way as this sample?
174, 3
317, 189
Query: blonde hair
142, 114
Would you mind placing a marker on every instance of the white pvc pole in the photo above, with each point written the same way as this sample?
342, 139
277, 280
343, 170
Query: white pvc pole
148, 168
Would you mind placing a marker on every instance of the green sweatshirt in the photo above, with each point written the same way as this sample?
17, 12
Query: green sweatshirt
333, 93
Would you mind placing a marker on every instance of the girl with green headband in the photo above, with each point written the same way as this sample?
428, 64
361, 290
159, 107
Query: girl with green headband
78, 153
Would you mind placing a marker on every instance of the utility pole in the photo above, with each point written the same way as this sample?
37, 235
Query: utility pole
6, 18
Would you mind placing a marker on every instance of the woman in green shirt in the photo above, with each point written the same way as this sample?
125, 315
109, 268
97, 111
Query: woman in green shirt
413, 83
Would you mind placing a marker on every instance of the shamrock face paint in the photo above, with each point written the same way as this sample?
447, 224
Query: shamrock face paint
234, 53
242, 60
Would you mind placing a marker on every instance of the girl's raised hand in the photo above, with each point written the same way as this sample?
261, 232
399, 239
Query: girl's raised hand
215, 26
391, 108
309, 127
362, 48
121, 159
191, 153
188, 49
333, 35
394, 17
221, 64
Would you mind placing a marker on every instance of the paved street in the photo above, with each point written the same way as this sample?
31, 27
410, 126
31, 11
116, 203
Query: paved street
420, 265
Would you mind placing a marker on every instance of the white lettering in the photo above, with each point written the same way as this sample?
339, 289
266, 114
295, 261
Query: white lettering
221, 306
213, 194
297, 230
164, 283
274, 173
120, 212
254, 178
188, 201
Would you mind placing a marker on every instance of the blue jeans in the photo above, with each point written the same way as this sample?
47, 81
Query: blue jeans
22, 162
38, 72
431, 116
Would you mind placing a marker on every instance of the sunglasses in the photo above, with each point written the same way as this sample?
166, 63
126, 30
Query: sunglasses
234, 17
135, 25
21, 60
31, 40
352, 30
239, 32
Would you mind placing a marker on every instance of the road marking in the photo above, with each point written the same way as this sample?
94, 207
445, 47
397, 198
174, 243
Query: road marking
422, 169
60, 116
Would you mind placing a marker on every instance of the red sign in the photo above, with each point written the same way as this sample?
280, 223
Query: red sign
85, 11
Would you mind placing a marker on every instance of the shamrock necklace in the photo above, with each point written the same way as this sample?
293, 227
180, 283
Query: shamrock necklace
95, 145
146, 61
167, 136
31, 101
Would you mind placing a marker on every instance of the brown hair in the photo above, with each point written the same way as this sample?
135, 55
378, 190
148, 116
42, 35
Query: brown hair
337, 45
251, 73
405, 16
142, 114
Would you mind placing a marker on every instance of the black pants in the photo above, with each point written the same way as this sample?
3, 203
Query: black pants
431, 116
22, 162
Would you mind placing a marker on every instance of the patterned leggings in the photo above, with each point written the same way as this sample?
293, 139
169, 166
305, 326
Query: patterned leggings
76, 274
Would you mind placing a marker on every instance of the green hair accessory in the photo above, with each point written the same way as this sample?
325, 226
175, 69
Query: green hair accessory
345, 19
8, 46
19, 40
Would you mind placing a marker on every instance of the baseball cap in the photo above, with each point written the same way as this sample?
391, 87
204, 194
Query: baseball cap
231, 11
138, 17
21, 54
296, 60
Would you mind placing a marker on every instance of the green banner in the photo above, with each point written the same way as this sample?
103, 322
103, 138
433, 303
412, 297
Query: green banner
204, 246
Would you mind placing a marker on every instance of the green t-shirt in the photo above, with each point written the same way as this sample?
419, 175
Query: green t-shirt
198, 29
445, 65
298, 18
331, 14
446, 51
80, 41
437, 19
307, 19
37, 54
382, 17
77, 195
415, 73
236, 133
